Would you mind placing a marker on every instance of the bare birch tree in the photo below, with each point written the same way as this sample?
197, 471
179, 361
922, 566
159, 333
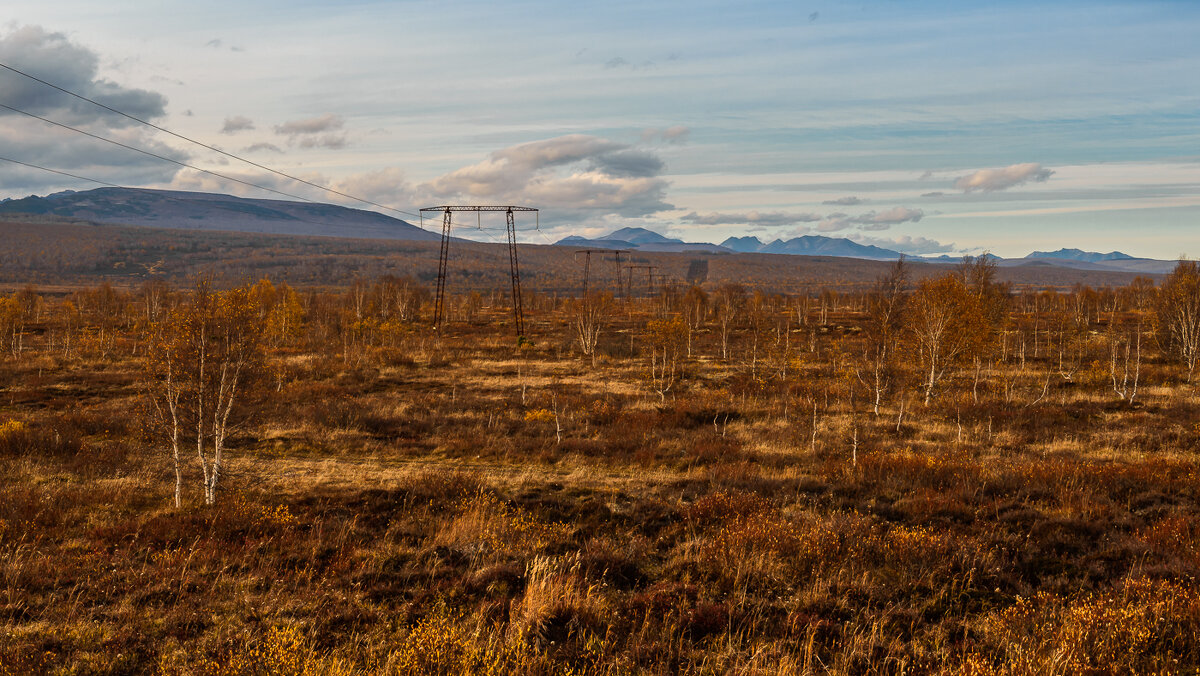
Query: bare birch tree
203, 368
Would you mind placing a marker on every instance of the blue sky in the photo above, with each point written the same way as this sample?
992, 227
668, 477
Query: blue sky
929, 127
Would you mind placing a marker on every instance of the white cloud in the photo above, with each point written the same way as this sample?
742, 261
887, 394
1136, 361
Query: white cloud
872, 220
988, 180
324, 131
918, 246
255, 147
189, 179
575, 177
759, 218
676, 134
55, 58
237, 123
845, 201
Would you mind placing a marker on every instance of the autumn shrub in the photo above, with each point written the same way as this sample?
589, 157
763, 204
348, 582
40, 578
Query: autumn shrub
1140, 626
558, 605
21, 439
444, 643
1176, 536
282, 651
484, 525
907, 468
742, 533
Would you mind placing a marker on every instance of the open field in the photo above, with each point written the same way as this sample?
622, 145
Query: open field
54, 253
724, 486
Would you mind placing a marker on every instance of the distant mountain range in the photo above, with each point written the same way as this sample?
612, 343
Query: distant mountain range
176, 209
811, 245
642, 239
180, 210
1080, 255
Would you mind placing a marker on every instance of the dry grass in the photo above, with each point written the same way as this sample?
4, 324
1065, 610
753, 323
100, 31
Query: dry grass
410, 509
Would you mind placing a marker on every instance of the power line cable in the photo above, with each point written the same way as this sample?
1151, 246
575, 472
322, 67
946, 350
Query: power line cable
156, 155
63, 173
167, 195
204, 145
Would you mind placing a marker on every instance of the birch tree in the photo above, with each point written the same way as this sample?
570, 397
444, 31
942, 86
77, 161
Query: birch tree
202, 371
1177, 315
946, 327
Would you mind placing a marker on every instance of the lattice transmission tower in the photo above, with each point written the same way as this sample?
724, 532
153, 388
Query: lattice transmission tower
514, 266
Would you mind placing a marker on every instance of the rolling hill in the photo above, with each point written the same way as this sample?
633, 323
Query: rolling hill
180, 210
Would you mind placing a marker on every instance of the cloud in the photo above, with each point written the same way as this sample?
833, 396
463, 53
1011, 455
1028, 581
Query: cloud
622, 62
263, 146
770, 218
30, 141
577, 177
893, 216
988, 180
55, 58
845, 201
871, 220
675, 134
834, 223
237, 123
324, 131
197, 181
385, 186
218, 43
935, 193
556, 151
917, 246
630, 163
312, 125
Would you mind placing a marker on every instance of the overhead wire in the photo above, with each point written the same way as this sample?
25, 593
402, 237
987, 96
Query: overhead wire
204, 145
169, 195
186, 164
56, 171
155, 155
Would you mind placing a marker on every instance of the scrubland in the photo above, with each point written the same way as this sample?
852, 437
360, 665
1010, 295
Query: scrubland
404, 501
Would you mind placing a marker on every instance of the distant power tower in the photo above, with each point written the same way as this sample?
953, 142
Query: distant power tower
649, 277
587, 266
620, 285
514, 268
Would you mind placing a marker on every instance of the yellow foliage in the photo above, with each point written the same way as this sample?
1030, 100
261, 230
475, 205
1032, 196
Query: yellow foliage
279, 516
11, 428
442, 644
1132, 629
539, 415
282, 652
485, 524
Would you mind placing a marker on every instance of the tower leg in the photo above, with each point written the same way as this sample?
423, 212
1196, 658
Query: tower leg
440, 303
518, 313
587, 271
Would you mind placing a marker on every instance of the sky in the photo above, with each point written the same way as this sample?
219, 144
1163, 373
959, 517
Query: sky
926, 127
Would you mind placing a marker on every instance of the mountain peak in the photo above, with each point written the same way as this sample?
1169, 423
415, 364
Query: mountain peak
1081, 255
747, 244
183, 210
640, 236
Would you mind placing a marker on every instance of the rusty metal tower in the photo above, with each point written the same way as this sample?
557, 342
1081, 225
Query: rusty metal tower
587, 266
620, 284
649, 277
514, 267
